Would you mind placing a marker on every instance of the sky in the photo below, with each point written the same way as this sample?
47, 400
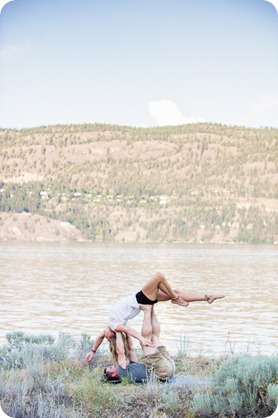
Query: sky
140, 63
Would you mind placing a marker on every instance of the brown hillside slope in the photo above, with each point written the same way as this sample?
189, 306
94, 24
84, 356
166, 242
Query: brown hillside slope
192, 183
27, 227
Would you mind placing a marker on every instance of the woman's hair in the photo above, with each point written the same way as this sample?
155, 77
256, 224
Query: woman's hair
113, 347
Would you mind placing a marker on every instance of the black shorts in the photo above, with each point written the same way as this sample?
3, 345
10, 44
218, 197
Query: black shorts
143, 300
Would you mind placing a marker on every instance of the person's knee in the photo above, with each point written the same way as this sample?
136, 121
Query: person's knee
160, 277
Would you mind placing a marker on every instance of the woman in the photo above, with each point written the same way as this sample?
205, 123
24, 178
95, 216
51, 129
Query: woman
157, 289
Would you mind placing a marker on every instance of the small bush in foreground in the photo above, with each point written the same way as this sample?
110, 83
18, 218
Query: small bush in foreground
34, 372
244, 385
26, 396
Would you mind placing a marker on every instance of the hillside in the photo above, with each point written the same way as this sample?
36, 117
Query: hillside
27, 227
191, 183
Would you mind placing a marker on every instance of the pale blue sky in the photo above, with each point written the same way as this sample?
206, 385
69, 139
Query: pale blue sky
138, 62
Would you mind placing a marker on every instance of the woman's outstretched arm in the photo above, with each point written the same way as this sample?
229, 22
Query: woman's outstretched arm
135, 334
97, 343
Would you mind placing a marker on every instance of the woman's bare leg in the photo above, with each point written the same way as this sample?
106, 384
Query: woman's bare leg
211, 298
189, 297
159, 282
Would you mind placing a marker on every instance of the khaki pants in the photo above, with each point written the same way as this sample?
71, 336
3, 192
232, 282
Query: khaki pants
160, 363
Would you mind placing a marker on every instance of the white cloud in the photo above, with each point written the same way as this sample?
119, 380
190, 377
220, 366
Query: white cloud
166, 112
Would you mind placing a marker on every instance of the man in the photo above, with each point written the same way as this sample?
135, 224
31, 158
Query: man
156, 360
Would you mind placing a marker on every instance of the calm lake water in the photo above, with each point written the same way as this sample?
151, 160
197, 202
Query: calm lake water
52, 288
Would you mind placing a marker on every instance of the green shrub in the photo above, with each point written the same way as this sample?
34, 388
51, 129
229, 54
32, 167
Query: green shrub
272, 393
41, 377
33, 395
83, 346
23, 350
18, 338
243, 383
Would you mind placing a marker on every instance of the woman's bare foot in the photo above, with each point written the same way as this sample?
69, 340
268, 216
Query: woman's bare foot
179, 301
212, 298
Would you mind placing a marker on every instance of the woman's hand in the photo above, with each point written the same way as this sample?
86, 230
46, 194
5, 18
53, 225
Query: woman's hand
148, 343
89, 357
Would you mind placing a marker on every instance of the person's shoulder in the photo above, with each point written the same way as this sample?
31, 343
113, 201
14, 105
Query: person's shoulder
136, 365
102, 333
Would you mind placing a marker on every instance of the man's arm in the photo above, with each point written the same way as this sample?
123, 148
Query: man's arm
97, 343
135, 334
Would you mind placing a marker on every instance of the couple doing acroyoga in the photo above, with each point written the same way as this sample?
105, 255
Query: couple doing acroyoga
157, 289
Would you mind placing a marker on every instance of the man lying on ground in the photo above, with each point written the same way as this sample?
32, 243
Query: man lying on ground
156, 360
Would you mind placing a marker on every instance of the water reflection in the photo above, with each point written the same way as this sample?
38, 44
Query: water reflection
52, 288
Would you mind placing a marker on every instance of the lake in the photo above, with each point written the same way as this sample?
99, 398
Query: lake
53, 288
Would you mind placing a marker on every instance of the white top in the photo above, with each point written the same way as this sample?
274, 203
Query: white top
122, 311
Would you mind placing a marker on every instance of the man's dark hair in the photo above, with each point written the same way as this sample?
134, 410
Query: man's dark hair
108, 375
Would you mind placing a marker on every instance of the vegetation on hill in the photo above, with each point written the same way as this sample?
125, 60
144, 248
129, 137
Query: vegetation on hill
190, 183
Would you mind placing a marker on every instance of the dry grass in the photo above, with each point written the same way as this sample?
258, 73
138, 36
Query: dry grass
44, 378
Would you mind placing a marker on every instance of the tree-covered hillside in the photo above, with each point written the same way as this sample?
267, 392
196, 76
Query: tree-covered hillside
191, 183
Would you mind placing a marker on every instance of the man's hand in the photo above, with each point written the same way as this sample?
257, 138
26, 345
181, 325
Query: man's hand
148, 343
88, 357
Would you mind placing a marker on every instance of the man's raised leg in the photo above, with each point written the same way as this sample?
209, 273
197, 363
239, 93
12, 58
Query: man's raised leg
147, 331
